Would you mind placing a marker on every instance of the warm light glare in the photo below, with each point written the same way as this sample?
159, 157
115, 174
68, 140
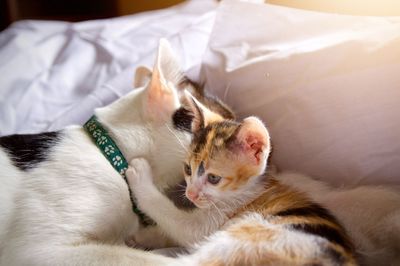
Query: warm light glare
350, 7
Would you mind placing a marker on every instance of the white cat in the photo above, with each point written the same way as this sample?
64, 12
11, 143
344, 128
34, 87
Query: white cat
61, 201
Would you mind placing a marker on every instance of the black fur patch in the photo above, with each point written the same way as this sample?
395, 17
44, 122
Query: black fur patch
327, 232
177, 196
182, 119
26, 151
212, 102
336, 256
201, 170
311, 210
200, 139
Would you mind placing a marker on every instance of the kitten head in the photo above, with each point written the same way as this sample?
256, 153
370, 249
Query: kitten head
226, 159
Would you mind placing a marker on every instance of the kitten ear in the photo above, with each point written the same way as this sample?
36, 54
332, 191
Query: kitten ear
162, 95
202, 116
252, 140
142, 77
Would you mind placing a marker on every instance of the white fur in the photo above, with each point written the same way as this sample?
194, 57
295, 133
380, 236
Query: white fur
9, 186
74, 208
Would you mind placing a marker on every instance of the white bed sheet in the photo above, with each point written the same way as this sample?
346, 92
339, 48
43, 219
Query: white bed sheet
54, 74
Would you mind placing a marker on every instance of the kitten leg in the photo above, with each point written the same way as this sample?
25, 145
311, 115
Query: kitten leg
173, 221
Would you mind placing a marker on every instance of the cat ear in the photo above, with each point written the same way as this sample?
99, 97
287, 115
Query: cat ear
252, 140
202, 116
142, 77
162, 95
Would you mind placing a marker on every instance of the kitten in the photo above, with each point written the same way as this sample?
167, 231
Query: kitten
61, 201
272, 223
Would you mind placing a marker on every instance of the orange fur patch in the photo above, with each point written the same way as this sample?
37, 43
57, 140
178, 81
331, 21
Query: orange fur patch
276, 198
251, 232
243, 173
212, 117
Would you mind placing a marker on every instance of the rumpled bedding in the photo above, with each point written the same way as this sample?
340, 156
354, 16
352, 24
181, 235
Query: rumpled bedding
54, 74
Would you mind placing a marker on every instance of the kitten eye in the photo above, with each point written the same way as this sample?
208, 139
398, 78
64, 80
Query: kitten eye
213, 179
187, 169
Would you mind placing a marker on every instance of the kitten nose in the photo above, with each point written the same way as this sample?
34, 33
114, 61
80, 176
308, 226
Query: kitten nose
192, 194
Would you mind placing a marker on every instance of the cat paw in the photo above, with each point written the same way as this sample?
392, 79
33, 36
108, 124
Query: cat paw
139, 172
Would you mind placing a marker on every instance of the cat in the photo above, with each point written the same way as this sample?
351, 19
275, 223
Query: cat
61, 200
261, 220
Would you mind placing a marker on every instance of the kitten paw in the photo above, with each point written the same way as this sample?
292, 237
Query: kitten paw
139, 172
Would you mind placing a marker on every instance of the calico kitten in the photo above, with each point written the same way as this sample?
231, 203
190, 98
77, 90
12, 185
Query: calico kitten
271, 224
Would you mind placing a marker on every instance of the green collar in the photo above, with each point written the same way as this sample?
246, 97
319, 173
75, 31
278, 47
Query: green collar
113, 154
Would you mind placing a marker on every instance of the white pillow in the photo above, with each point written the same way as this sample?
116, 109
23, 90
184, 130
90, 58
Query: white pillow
326, 85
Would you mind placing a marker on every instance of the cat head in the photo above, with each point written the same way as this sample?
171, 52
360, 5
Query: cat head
141, 121
226, 158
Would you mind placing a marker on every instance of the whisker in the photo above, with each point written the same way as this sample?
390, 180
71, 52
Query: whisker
182, 196
177, 138
226, 91
218, 210
178, 190
224, 204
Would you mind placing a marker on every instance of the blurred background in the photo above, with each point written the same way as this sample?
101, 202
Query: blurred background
77, 10
74, 10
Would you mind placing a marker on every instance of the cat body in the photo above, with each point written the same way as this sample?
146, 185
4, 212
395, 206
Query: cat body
51, 199
272, 223
280, 232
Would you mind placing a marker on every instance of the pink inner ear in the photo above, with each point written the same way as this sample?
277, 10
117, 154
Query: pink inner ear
160, 102
254, 145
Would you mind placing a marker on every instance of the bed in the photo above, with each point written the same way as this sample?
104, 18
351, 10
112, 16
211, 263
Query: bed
326, 85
